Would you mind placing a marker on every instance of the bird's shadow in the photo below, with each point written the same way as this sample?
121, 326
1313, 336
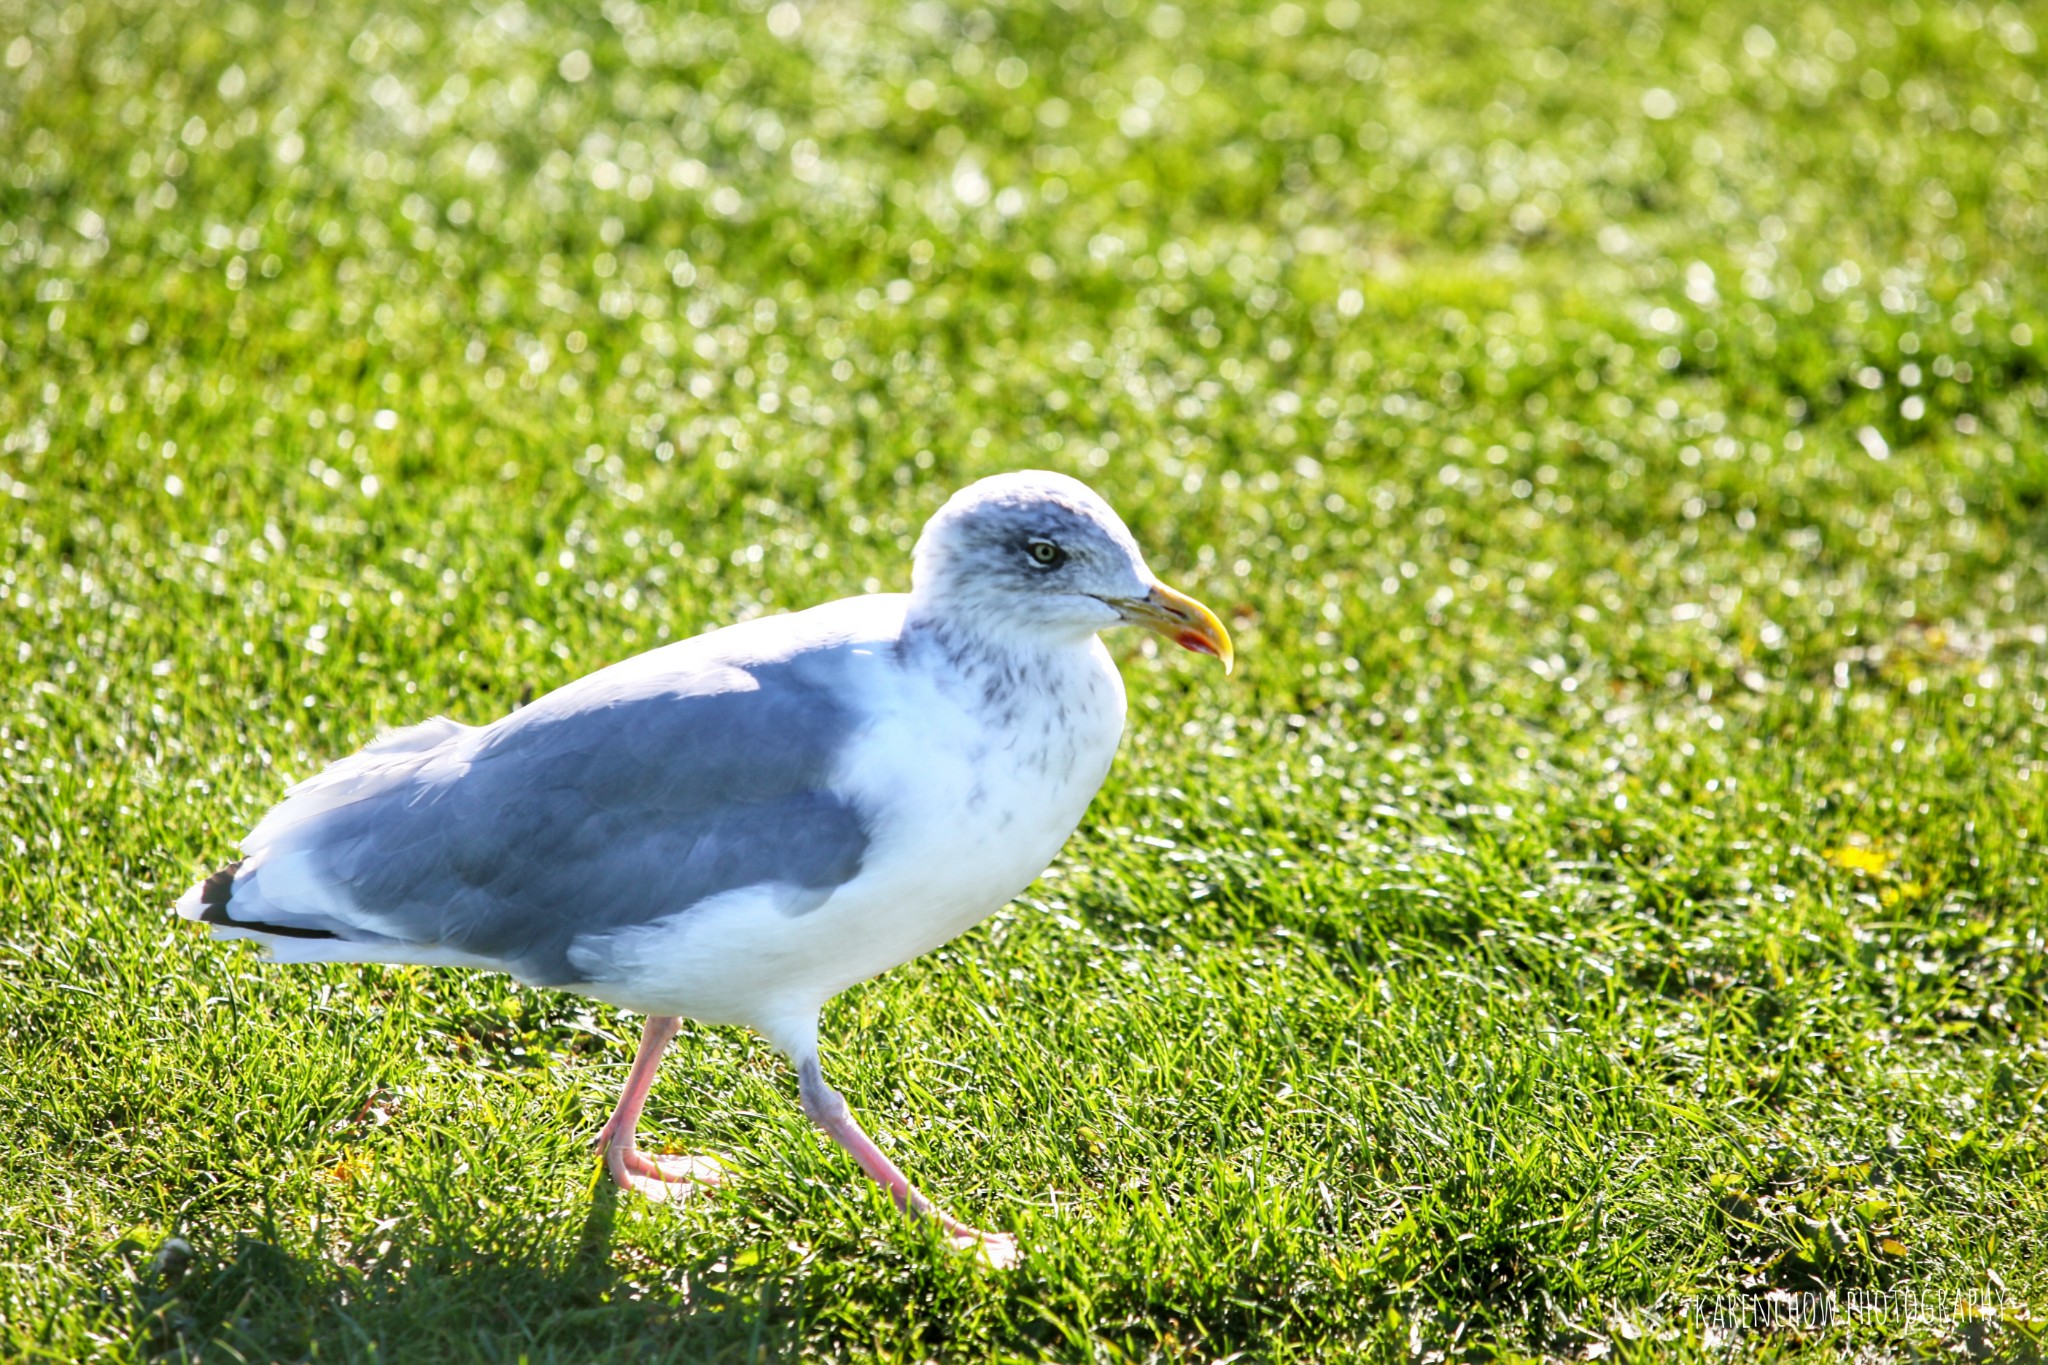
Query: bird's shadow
486, 1288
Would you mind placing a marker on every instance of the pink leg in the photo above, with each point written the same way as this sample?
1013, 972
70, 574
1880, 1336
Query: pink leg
826, 1107
630, 1168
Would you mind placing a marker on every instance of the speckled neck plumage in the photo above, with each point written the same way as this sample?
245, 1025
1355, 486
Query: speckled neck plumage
1027, 694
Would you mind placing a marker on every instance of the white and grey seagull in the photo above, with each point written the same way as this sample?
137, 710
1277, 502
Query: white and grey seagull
737, 827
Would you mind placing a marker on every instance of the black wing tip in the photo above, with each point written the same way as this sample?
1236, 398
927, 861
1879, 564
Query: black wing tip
214, 894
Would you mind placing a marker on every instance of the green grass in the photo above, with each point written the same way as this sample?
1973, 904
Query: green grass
1618, 438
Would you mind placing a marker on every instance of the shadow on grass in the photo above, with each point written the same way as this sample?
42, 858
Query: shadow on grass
464, 1288
454, 1282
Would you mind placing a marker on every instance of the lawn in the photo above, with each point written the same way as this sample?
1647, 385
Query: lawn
1605, 906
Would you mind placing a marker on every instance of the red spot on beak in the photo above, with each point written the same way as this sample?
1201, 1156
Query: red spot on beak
1187, 639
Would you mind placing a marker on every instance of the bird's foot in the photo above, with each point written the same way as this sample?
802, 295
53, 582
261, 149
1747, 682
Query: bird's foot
996, 1250
664, 1178
992, 1249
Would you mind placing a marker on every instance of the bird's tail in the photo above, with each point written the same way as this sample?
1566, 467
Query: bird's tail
277, 892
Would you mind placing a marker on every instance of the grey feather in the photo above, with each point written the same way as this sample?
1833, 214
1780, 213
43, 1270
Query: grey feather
621, 799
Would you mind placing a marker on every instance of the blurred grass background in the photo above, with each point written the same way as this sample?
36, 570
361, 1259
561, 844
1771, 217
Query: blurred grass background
1611, 886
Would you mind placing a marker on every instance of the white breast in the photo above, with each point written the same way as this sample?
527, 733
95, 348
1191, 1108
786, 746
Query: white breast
972, 799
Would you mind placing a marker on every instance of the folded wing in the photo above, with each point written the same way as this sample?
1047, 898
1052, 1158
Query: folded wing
623, 799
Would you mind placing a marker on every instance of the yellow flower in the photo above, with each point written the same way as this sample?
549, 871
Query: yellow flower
1851, 858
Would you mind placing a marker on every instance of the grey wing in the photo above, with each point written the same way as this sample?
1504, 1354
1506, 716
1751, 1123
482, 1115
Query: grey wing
597, 809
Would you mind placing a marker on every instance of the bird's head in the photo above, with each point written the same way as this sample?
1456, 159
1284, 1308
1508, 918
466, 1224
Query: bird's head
1034, 554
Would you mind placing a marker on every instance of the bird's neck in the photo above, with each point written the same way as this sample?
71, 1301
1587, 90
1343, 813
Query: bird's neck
987, 630
1011, 680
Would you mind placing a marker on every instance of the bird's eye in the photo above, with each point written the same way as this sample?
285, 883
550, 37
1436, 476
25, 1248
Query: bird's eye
1044, 553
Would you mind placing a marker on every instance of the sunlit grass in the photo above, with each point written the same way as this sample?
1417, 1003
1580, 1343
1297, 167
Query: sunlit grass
1617, 437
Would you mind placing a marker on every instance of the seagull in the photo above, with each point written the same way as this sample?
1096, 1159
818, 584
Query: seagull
737, 827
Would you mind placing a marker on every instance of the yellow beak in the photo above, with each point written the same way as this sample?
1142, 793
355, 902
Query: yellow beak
1181, 619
